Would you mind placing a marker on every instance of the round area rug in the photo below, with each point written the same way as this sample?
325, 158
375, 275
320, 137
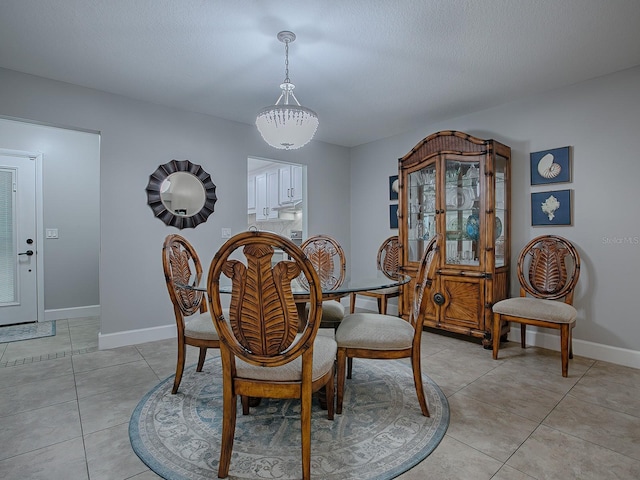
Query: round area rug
380, 434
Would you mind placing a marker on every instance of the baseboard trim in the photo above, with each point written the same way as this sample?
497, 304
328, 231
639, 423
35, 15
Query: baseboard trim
583, 348
73, 312
133, 337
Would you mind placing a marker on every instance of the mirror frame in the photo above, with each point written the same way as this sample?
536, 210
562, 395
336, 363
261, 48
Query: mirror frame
155, 201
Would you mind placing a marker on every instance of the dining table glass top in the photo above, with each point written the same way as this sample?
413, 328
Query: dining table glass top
350, 285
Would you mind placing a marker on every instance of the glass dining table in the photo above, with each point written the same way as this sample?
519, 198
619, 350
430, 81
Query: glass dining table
301, 294
301, 297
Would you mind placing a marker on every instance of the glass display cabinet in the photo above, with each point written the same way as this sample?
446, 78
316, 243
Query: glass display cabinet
457, 186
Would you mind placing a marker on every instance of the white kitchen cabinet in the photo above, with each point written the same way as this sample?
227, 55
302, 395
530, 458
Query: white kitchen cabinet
251, 195
267, 195
290, 184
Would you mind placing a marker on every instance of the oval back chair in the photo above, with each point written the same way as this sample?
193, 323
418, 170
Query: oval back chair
388, 260
194, 325
327, 257
266, 349
374, 335
548, 271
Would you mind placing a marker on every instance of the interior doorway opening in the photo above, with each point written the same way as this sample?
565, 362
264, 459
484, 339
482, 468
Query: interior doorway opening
276, 197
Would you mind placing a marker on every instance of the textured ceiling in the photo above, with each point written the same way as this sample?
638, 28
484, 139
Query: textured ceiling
369, 68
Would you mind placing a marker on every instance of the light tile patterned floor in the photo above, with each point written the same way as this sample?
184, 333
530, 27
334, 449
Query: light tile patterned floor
65, 409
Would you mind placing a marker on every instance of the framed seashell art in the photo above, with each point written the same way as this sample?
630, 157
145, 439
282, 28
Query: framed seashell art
550, 166
551, 208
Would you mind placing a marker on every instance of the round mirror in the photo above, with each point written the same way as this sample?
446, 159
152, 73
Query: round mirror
181, 194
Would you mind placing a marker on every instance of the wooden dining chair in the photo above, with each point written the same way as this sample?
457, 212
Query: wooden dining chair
264, 352
548, 271
182, 265
388, 265
328, 258
374, 335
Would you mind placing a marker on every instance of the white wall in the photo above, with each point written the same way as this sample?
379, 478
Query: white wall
600, 119
136, 137
71, 193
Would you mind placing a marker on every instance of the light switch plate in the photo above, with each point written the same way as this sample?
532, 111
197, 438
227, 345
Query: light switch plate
226, 233
51, 232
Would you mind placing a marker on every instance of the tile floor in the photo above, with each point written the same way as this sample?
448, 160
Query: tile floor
65, 409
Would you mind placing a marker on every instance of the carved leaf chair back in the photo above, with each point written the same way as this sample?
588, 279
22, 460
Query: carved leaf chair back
548, 272
388, 257
388, 264
182, 266
267, 350
549, 267
327, 256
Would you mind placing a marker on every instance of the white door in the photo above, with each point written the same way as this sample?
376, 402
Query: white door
18, 241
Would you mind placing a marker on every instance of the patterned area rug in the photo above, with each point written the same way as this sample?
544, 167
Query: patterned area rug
380, 434
27, 331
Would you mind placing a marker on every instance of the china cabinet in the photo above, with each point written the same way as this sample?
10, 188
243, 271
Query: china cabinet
457, 186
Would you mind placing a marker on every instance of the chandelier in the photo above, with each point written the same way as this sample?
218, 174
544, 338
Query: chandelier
284, 125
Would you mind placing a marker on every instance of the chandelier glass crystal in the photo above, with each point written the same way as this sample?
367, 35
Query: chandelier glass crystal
284, 125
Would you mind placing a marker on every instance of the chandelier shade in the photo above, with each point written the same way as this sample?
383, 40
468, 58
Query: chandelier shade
287, 126
283, 125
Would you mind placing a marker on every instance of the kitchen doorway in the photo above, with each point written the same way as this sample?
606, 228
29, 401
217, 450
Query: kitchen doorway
276, 197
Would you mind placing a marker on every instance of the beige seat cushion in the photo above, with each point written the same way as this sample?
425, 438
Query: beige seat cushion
382, 291
200, 326
375, 332
537, 309
324, 355
332, 311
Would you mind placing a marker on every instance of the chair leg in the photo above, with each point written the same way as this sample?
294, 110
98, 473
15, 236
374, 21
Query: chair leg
305, 426
331, 395
179, 365
417, 380
495, 334
229, 407
244, 400
379, 305
383, 305
564, 348
341, 360
201, 358
571, 342
352, 305
523, 335
349, 367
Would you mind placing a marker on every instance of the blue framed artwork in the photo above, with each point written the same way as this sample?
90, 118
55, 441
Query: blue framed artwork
393, 216
393, 187
551, 208
550, 166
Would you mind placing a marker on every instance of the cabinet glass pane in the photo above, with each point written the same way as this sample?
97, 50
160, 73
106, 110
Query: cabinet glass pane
462, 202
501, 205
422, 210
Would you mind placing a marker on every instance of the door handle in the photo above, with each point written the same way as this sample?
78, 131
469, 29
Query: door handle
27, 253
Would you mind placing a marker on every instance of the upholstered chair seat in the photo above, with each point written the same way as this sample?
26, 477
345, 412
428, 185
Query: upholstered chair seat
332, 312
324, 356
537, 309
201, 326
374, 332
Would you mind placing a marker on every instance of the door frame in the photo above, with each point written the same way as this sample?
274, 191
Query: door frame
38, 157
